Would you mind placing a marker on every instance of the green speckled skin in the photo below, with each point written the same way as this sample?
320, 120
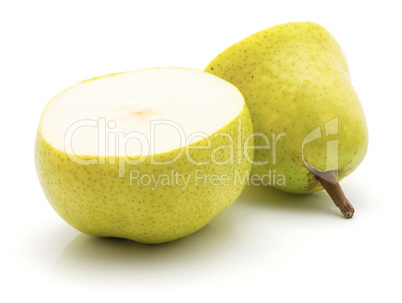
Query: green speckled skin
294, 78
96, 201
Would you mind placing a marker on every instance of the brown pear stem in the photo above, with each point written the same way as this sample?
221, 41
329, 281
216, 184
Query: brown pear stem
330, 183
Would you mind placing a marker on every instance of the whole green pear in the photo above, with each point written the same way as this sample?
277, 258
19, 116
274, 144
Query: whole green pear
310, 126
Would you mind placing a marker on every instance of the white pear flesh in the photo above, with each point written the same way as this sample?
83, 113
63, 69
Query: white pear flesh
194, 101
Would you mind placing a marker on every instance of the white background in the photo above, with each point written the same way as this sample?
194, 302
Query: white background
269, 245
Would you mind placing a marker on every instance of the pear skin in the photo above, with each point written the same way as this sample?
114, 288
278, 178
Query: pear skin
310, 124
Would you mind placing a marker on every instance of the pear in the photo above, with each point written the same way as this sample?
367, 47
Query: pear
310, 126
150, 155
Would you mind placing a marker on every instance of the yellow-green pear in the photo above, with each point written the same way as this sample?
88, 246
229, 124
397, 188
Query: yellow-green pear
296, 83
150, 155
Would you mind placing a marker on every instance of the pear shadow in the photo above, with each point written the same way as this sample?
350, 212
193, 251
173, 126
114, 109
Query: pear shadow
95, 261
271, 200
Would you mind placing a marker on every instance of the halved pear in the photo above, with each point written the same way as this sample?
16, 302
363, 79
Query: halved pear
150, 155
